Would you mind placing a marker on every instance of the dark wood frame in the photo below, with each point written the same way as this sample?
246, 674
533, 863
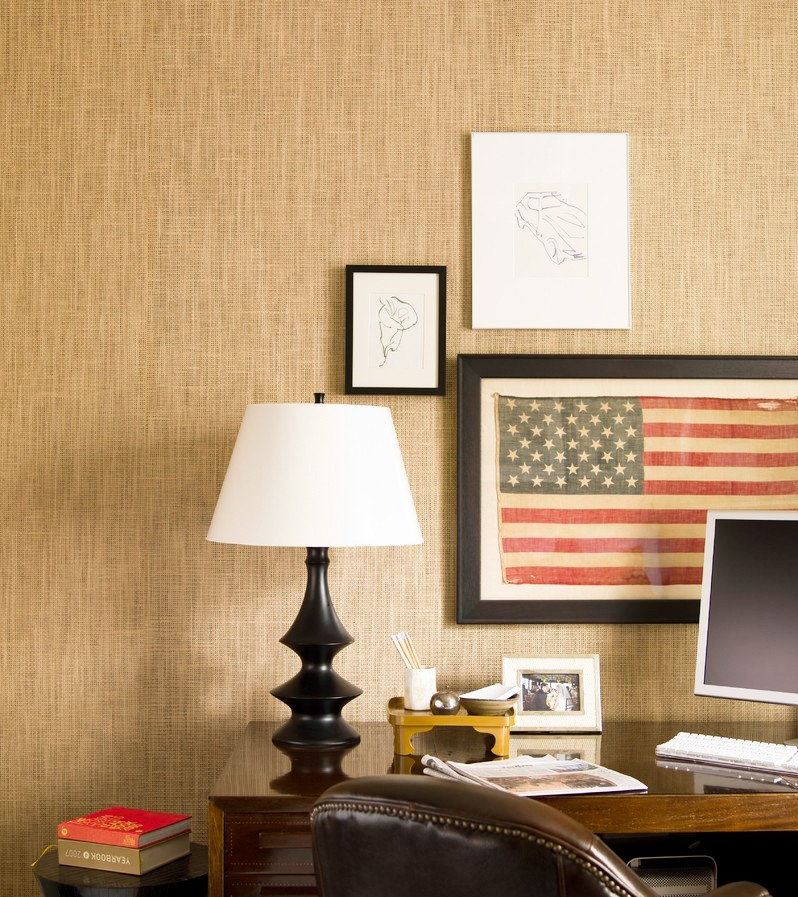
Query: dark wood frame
471, 370
440, 271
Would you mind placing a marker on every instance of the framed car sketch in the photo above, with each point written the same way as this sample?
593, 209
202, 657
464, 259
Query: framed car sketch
395, 329
550, 230
584, 481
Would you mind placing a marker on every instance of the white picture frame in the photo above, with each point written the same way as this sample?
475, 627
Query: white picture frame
557, 694
550, 231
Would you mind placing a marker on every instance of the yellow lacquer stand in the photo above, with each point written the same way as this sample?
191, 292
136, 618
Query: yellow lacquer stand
409, 723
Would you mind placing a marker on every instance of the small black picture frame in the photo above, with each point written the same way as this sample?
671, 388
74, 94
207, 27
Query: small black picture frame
484, 578
395, 313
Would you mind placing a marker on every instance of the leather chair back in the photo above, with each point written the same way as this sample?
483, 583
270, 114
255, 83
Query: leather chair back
417, 836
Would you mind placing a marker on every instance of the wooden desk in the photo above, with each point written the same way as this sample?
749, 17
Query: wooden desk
259, 834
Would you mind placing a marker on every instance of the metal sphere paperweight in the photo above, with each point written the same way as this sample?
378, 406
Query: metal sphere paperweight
444, 703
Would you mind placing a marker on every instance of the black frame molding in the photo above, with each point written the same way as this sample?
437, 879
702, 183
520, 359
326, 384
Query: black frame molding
471, 370
440, 271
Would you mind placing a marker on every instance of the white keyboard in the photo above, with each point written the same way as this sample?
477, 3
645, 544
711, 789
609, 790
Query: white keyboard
734, 752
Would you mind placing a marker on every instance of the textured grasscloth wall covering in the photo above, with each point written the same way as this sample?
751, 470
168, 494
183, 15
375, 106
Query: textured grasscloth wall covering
182, 183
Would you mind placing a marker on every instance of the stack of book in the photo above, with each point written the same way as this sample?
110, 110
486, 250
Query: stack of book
123, 840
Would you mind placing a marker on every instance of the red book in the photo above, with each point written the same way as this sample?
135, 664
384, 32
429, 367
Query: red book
123, 827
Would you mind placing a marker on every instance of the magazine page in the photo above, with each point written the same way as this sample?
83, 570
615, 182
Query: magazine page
546, 776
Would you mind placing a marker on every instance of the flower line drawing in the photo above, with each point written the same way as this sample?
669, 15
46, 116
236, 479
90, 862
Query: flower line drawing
394, 317
560, 226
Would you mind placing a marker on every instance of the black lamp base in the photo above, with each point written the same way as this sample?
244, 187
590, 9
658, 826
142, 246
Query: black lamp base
317, 694
318, 731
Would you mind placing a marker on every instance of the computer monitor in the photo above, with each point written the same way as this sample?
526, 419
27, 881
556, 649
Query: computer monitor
748, 626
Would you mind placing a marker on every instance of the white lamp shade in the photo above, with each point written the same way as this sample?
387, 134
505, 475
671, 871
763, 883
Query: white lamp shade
316, 475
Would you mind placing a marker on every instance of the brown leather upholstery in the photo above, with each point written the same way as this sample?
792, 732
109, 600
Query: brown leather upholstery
416, 836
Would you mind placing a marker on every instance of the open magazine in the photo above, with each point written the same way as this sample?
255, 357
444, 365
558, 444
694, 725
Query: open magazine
534, 776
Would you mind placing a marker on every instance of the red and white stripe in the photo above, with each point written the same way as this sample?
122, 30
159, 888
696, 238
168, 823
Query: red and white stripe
699, 454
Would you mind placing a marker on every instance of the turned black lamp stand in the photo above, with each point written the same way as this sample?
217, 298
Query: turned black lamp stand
317, 694
316, 475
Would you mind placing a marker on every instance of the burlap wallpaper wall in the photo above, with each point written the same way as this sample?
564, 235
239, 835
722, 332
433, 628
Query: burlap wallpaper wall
182, 183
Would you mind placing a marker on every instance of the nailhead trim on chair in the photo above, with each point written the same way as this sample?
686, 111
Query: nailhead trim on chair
364, 807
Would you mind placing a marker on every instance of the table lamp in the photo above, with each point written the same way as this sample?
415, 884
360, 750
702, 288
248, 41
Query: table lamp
316, 476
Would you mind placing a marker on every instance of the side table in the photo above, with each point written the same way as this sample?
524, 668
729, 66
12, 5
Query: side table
186, 877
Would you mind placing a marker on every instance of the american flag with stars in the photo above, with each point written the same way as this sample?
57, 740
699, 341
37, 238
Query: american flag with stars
610, 493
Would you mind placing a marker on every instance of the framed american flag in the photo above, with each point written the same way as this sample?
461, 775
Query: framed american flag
584, 481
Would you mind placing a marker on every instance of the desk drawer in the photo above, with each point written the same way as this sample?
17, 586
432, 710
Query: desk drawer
277, 843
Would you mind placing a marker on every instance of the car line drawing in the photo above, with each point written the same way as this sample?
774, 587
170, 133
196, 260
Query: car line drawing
560, 226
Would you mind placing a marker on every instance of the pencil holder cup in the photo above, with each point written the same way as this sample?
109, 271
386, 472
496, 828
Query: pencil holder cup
419, 688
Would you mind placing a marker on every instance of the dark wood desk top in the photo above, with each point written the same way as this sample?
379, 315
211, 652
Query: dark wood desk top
258, 777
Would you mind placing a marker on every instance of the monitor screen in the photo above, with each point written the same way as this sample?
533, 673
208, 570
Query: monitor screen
748, 631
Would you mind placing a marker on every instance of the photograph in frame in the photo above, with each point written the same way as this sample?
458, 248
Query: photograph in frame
557, 694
